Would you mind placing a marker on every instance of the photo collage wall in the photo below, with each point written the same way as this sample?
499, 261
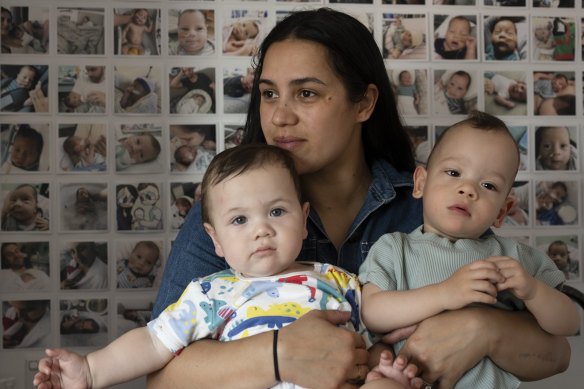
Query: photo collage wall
111, 112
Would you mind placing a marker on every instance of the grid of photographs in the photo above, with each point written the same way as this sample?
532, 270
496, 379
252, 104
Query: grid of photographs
110, 115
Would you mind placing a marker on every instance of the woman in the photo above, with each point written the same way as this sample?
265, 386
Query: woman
321, 91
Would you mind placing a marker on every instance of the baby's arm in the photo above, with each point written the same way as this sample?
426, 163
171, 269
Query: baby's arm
553, 310
125, 32
132, 355
504, 102
471, 48
386, 310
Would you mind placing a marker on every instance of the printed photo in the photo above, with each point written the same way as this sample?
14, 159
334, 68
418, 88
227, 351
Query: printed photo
556, 202
26, 324
233, 135
133, 313
243, 30
453, 2
139, 207
137, 31
505, 93
138, 263
83, 206
137, 89
521, 136
83, 265
455, 37
556, 148
82, 147
455, 93
404, 36
82, 89
554, 93
505, 3
553, 38
24, 88
553, 3
421, 144
192, 147
24, 148
83, 322
518, 215
80, 31
237, 85
192, 90
183, 195
137, 148
25, 30
191, 32
25, 207
505, 38
25, 266
564, 250
410, 87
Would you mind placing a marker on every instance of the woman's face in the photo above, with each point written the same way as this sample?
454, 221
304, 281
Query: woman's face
304, 107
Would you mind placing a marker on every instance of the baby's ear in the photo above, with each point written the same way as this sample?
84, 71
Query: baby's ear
503, 212
211, 231
420, 175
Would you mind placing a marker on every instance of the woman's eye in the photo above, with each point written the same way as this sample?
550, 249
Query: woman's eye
277, 212
240, 220
307, 94
269, 94
453, 173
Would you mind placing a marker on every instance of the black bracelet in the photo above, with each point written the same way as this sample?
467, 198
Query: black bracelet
275, 354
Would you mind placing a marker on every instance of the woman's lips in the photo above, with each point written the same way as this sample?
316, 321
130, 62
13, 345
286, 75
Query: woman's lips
287, 142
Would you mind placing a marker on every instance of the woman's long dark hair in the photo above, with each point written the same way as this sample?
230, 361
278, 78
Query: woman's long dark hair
358, 62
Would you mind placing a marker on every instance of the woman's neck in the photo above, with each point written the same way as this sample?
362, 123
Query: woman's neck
337, 194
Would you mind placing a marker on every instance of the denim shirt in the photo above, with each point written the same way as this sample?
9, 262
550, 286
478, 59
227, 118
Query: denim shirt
388, 207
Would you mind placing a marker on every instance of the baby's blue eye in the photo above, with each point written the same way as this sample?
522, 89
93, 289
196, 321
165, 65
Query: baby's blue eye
240, 220
277, 212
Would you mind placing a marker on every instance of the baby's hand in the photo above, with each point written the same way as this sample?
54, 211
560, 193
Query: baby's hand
63, 369
516, 278
397, 370
41, 224
471, 43
472, 283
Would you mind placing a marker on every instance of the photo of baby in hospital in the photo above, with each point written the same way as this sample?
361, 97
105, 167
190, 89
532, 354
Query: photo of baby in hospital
82, 147
25, 266
25, 207
505, 38
138, 263
455, 92
23, 148
83, 265
237, 85
557, 202
410, 88
137, 148
83, 206
556, 148
137, 89
26, 324
82, 89
183, 195
83, 322
243, 31
80, 31
192, 147
191, 32
24, 88
565, 251
505, 93
404, 36
191, 90
137, 31
25, 30
455, 37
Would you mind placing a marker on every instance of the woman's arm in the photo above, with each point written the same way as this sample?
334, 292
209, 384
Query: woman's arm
312, 352
445, 346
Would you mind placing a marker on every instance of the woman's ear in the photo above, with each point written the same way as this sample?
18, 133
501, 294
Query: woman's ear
211, 231
420, 175
367, 103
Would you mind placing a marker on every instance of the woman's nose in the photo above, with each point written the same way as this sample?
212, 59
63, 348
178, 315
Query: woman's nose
284, 115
